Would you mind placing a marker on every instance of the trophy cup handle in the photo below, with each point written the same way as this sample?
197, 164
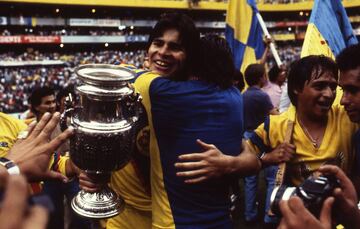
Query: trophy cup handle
67, 112
137, 105
134, 103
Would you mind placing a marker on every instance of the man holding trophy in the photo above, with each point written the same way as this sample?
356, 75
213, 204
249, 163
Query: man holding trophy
204, 106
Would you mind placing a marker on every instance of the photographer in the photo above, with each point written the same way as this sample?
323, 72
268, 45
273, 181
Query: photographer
295, 215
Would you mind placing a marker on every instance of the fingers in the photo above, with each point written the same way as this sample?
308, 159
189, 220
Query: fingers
192, 157
192, 173
296, 204
339, 195
89, 187
204, 145
50, 126
31, 127
282, 224
53, 175
87, 184
338, 173
285, 210
37, 218
285, 152
196, 180
72, 169
289, 147
189, 165
15, 202
325, 214
40, 125
347, 187
60, 139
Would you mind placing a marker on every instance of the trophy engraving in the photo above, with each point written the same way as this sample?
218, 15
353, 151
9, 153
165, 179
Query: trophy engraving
104, 122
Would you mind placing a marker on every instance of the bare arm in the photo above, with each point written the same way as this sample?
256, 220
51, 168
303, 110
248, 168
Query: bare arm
212, 163
266, 51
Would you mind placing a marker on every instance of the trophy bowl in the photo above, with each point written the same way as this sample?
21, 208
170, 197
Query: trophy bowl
104, 121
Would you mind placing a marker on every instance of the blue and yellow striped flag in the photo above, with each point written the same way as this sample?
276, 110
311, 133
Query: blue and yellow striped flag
329, 30
243, 33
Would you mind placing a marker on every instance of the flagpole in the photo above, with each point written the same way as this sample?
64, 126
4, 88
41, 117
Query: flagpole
272, 46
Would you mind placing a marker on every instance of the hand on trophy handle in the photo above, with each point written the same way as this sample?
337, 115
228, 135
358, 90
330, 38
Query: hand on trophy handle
93, 182
71, 169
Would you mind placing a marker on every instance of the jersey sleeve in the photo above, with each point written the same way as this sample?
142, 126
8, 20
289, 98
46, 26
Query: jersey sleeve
58, 163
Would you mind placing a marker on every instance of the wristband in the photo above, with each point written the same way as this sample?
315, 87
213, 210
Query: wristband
260, 157
10, 166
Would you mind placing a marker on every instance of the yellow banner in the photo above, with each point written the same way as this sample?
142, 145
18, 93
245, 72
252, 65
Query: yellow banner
315, 44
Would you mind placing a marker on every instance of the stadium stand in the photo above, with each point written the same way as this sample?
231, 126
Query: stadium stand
42, 46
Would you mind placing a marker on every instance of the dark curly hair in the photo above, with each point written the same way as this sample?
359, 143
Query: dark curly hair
349, 58
215, 63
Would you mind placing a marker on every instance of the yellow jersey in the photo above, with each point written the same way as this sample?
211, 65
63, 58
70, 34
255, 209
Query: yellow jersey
10, 128
336, 146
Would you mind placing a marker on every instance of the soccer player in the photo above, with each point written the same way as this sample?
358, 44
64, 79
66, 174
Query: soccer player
349, 65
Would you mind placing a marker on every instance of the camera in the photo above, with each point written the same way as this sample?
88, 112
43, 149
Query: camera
313, 191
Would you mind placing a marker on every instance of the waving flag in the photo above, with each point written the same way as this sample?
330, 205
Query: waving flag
329, 30
243, 33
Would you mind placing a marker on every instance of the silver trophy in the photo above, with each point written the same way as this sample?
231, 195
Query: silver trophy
104, 122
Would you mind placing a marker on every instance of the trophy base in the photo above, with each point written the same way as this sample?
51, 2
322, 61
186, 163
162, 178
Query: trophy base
98, 205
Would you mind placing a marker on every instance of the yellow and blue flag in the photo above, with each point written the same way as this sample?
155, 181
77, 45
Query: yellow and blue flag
243, 33
329, 30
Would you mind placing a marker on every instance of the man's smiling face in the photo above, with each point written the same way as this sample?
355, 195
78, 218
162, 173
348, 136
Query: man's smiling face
166, 53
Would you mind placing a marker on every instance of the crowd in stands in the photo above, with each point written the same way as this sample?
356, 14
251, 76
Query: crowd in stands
18, 82
65, 32
288, 54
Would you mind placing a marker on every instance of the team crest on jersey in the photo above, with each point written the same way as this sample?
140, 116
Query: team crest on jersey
143, 141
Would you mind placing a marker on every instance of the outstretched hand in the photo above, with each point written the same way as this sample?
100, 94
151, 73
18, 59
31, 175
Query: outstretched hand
296, 216
199, 167
33, 153
15, 212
